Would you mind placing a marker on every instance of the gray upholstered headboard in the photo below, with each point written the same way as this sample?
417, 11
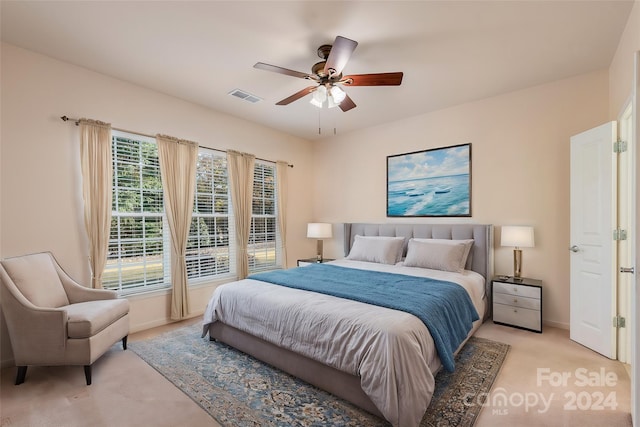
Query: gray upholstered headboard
482, 234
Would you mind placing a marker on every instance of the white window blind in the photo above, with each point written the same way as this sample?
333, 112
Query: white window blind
264, 244
138, 257
211, 243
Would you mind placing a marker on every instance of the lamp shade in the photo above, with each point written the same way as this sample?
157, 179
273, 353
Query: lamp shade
319, 230
519, 236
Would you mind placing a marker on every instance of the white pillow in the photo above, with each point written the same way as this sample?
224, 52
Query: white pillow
380, 249
438, 254
468, 255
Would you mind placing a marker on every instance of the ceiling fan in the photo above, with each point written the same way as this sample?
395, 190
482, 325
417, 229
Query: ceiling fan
327, 74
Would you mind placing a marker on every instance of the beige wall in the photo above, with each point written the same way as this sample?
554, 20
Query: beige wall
622, 75
520, 170
40, 190
621, 70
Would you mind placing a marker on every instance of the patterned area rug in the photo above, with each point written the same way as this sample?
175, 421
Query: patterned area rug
238, 390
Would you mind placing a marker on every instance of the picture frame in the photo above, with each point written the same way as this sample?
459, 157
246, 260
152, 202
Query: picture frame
430, 183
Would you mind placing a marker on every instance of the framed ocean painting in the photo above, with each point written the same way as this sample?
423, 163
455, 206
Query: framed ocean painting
435, 182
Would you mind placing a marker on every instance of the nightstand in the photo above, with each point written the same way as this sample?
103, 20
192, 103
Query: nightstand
305, 262
517, 302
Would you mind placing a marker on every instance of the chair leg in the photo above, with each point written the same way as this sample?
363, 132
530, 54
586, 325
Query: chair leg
124, 342
22, 372
87, 373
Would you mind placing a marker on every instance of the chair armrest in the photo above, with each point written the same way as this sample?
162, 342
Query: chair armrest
78, 293
33, 330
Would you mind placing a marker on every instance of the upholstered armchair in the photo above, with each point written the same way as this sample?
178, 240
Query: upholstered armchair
52, 320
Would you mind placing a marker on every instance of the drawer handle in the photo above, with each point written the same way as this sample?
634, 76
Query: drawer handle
515, 310
515, 300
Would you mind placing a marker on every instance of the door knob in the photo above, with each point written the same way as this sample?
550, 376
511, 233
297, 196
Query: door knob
627, 270
574, 248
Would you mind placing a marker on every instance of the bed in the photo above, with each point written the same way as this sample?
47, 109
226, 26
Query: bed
379, 358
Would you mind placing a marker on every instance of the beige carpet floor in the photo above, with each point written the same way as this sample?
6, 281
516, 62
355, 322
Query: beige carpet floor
533, 371
128, 392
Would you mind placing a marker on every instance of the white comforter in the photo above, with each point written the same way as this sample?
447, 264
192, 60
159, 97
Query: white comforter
391, 351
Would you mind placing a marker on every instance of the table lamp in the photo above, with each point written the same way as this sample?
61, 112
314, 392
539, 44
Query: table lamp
319, 230
517, 236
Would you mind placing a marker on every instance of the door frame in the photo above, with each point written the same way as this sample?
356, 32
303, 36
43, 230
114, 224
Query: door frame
635, 292
626, 221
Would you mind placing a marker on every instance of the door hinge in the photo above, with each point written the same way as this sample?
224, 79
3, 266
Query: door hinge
619, 234
619, 322
619, 146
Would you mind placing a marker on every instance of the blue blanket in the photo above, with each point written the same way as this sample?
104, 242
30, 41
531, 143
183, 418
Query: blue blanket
444, 307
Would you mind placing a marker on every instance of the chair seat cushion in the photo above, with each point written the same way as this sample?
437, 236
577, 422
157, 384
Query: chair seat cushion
85, 319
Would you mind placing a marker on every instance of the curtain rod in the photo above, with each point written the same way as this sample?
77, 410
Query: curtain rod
77, 122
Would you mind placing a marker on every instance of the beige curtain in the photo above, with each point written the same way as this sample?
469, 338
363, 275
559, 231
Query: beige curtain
282, 183
97, 187
240, 167
178, 159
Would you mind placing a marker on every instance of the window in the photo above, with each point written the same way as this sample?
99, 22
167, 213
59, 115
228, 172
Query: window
139, 245
264, 242
210, 245
138, 257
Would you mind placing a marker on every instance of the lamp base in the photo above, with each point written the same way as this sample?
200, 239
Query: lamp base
517, 264
319, 251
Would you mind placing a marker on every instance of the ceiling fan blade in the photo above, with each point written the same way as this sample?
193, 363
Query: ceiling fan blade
297, 95
286, 71
377, 79
347, 104
341, 51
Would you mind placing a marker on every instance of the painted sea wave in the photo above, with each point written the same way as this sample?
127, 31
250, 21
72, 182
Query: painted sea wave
439, 196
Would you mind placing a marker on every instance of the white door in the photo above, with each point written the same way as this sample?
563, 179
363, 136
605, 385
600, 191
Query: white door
593, 219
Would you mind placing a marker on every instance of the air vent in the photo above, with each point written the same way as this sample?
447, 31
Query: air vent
245, 96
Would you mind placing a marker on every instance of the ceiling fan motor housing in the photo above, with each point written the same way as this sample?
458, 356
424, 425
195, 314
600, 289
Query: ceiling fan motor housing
318, 70
324, 50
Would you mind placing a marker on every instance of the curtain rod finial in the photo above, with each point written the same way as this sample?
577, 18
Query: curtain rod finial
66, 119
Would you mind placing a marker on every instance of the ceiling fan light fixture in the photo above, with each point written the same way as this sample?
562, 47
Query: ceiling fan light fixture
319, 96
315, 102
337, 94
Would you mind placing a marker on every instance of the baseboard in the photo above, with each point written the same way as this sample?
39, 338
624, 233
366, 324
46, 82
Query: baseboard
554, 324
148, 325
159, 322
7, 363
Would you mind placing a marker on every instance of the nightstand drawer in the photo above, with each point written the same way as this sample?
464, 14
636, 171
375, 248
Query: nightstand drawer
517, 316
512, 289
517, 301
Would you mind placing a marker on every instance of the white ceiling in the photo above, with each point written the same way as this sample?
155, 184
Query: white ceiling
451, 52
